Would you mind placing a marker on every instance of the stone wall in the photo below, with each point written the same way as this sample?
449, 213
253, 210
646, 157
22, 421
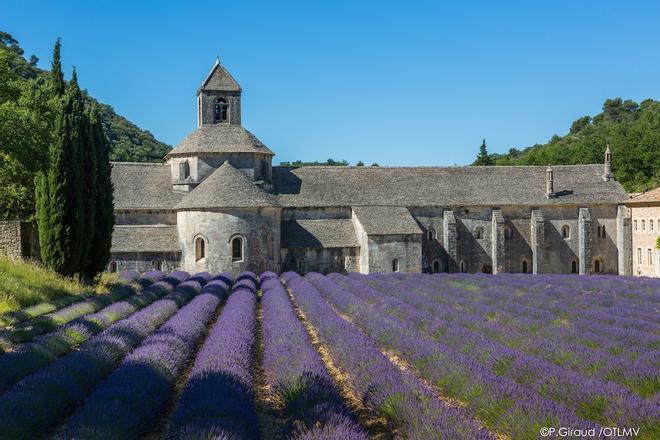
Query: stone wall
258, 227
19, 240
324, 260
145, 217
644, 239
383, 249
207, 102
144, 261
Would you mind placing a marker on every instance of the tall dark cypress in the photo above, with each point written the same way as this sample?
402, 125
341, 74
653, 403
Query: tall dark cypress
44, 215
89, 192
65, 219
57, 77
104, 211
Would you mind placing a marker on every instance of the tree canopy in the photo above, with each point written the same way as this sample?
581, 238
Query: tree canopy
631, 130
28, 118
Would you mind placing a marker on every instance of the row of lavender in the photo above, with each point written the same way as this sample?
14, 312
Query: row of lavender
509, 390
36, 404
563, 335
398, 398
121, 381
29, 357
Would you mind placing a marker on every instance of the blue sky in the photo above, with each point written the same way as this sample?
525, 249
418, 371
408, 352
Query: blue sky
399, 83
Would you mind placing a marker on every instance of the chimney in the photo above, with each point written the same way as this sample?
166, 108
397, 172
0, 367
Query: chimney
607, 174
549, 183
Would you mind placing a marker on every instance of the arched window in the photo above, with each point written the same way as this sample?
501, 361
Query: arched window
524, 266
342, 263
635, 223
220, 110
479, 233
462, 267
597, 266
639, 255
566, 231
158, 264
113, 267
643, 225
200, 248
395, 265
574, 266
601, 231
650, 257
436, 266
430, 234
237, 249
508, 233
650, 225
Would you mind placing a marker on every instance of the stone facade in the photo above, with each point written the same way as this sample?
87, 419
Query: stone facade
218, 204
645, 219
19, 240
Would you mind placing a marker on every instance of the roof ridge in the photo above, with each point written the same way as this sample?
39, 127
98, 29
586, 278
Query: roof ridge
138, 163
427, 167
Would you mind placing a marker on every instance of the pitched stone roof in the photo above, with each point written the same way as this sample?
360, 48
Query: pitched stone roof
331, 233
226, 187
143, 186
219, 78
386, 220
219, 138
650, 196
145, 239
442, 186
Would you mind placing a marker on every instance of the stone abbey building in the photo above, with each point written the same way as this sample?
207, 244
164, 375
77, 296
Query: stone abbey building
218, 204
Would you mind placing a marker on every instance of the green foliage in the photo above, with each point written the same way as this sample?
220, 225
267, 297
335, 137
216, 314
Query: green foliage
25, 284
99, 252
329, 162
359, 164
29, 104
631, 130
60, 213
56, 75
89, 158
483, 159
657, 243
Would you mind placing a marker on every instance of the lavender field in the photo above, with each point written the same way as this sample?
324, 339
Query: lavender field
450, 356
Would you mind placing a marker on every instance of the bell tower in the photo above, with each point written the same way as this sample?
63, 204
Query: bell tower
219, 98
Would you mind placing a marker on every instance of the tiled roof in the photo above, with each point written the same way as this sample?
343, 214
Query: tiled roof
145, 239
386, 220
143, 186
442, 186
331, 233
219, 78
226, 187
647, 197
219, 138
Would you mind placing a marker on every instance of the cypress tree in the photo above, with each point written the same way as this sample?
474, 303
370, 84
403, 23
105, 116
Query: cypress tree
89, 191
57, 77
104, 209
483, 158
59, 202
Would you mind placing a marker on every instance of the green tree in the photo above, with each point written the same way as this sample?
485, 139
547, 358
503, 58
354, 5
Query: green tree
59, 204
56, 75
104, 209
483, 159
580, 124
360, 163
89, 191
